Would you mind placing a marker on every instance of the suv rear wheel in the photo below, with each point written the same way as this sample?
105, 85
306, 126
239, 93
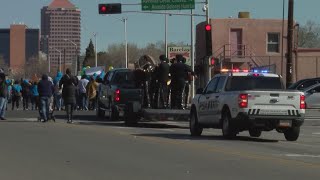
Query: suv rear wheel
292, 134
255, 132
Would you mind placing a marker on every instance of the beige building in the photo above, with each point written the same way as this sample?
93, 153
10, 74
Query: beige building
247, 43
61, 33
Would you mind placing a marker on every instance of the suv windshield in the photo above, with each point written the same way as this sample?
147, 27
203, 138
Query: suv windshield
242, 83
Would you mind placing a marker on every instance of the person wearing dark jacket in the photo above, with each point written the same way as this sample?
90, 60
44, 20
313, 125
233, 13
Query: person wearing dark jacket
178, 72
26, 95
162, 75
68, 84
45, 89
3, 95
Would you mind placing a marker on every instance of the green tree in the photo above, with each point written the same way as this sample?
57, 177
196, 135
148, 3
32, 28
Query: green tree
89, 59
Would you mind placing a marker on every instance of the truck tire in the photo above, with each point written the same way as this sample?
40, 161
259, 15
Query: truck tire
195, 127
255, 132
113, 113
130, 118
228, 130
100, 114
292, 134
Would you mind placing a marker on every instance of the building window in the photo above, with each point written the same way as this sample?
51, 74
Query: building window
273, 42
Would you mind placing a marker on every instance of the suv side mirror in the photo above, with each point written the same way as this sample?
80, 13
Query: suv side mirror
199, 91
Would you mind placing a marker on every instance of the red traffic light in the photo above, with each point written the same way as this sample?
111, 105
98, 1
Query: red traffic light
112, 8
103, 8
208, 27
212, 61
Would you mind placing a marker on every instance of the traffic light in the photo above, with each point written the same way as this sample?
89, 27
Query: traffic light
114, 8
212, 61
208, 31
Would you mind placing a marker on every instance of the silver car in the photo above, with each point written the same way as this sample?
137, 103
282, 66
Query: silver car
312, 94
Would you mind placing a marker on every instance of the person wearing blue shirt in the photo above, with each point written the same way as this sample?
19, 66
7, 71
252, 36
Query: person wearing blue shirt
34, 96
16, 94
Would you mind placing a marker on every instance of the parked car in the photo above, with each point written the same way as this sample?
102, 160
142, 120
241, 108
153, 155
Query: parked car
313, 96
304, 83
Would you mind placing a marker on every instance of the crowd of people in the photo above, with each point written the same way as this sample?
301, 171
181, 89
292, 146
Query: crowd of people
46, 94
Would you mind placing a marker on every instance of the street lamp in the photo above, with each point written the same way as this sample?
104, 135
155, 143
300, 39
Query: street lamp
59, 57
76, 60
124, 20
96, 49
46, 40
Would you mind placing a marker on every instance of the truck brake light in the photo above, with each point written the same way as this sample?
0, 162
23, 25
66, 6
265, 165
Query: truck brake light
302, 102
117, 95
243, 100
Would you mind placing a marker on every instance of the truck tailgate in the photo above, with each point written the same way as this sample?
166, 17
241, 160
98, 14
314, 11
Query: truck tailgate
130, 95
274, 102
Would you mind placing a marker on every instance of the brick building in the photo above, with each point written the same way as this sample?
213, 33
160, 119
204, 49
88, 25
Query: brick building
18, 45
247, 43
60, 32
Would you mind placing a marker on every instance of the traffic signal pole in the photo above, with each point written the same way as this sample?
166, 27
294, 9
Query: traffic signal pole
289, 73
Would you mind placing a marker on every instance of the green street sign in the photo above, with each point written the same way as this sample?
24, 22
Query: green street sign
154, 5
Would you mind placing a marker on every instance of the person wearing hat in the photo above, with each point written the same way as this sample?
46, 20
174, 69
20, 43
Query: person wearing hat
178, 71
162, 75
3, 95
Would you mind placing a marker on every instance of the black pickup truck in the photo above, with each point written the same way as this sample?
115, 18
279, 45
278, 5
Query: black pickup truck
120, 97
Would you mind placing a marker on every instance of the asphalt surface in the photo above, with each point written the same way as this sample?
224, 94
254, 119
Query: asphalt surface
90, 149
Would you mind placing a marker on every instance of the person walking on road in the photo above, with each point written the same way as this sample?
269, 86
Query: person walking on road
45, 89
16, 94
68, 82
83, 93
3, 96
34, 96
92, 89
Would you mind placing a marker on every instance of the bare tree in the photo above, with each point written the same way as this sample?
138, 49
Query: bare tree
309, 35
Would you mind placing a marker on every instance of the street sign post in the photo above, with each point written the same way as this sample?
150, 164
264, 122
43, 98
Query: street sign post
154, 5
185, 51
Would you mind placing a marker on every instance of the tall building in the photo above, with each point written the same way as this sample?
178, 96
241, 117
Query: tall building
18, 45
60, 33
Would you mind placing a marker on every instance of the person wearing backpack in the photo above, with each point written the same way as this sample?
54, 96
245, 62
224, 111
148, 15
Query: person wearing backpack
16, 94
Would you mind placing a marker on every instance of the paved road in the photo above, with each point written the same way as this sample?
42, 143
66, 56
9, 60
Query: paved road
107, 150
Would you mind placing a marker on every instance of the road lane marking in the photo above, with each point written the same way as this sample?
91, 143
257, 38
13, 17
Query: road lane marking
302, 155
317, 133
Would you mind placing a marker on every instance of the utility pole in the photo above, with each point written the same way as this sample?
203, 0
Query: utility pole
166, 34
126, 40
289, 73
192, 52
96, 49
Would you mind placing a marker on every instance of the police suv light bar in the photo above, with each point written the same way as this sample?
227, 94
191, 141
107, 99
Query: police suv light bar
244, 71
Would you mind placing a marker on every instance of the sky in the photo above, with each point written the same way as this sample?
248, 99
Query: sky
149, 28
